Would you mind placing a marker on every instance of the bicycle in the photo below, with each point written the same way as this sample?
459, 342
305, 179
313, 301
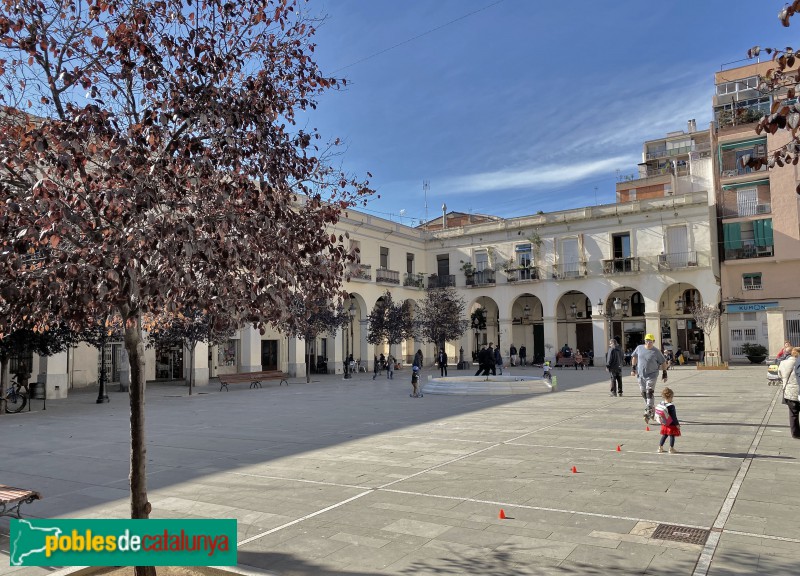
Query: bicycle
16, 396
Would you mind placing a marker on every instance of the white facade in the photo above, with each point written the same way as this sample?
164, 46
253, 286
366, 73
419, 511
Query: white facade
540, 278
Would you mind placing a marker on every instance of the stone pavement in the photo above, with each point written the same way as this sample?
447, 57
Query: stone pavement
353, 477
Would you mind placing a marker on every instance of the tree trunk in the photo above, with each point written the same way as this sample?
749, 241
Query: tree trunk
193, 345
308, 367
3, 383
140, 507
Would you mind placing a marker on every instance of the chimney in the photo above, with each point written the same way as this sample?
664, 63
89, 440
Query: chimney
692, 126
444, 216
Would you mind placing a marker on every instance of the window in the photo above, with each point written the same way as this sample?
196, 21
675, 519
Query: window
751, 281
384, 257
409, 262
746, 201
622, 245
523, 254
226, 355
355, 247
481, 261
443, 264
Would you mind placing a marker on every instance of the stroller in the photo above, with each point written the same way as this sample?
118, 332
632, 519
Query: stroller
773, 377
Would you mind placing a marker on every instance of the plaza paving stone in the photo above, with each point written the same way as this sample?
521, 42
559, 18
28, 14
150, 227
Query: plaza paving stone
353, 477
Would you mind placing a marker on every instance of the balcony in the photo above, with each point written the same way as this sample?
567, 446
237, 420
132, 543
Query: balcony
387, 276
523, 274
360, 272
677, 260
749, 250
569, 270
436, 281
412, 280
665, 153
481, 278
628, 265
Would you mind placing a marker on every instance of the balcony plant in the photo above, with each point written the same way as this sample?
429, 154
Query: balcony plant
756, 353
467, 268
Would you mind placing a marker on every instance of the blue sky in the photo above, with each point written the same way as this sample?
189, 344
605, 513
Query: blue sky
514, 106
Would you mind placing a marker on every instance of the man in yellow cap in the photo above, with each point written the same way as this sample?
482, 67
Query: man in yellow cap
646, 361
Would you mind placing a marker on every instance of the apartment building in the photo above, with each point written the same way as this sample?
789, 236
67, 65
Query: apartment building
758, 218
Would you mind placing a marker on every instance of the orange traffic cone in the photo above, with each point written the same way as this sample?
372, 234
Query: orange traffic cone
502, 514
618, 448
574, 470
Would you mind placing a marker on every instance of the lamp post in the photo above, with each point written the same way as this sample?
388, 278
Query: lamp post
476, 329
526, 313
102, 396
351, 312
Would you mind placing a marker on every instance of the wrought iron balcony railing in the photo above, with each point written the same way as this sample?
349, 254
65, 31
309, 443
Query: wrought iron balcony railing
387, 276
414, 280
436, 281
621, 265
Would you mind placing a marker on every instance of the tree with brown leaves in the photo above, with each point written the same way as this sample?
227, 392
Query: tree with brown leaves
151, 163
783, 83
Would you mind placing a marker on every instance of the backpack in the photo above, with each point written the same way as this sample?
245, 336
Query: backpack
662, 414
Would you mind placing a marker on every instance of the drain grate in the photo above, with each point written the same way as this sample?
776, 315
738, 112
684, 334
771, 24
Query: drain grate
681, 534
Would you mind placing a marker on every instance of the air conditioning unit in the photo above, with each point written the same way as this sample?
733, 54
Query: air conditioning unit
763, 208
579, 315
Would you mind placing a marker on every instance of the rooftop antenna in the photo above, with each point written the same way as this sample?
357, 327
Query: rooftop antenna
426, 185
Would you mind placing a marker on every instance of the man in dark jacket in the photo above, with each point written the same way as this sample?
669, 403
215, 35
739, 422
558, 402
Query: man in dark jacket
441, 360
490, 359
614, 361
482, 364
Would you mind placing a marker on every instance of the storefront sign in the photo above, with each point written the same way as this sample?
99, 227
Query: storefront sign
754, 307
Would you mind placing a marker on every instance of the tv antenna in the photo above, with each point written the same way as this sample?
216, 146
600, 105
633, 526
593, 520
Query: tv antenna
426, 185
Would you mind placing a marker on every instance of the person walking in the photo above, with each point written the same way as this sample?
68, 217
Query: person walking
416, 370
415, 393
482, 366
441, 360
490, 359
523, 356
375, 368
390, 367
498, 360
512, 355
672, 428
788, 371
646, 361
614, 361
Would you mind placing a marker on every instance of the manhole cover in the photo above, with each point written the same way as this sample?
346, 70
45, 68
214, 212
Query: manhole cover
680, 534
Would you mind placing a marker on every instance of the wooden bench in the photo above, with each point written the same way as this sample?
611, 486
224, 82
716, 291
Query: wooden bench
11, 499
254, 378
570, 362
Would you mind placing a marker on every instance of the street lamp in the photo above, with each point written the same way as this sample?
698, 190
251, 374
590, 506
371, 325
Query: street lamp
351, 312
625, 307
526, 313
476, 327
573, 309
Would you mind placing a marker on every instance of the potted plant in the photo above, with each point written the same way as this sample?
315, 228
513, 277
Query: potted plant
467, 268
756, 353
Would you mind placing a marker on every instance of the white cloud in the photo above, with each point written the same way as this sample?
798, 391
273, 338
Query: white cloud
538, 177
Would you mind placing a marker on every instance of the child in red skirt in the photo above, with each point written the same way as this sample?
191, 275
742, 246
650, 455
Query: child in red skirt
674, 428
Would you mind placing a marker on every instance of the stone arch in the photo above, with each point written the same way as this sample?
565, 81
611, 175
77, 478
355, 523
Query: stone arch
678, 327
490, 332
527, 328
573, 313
